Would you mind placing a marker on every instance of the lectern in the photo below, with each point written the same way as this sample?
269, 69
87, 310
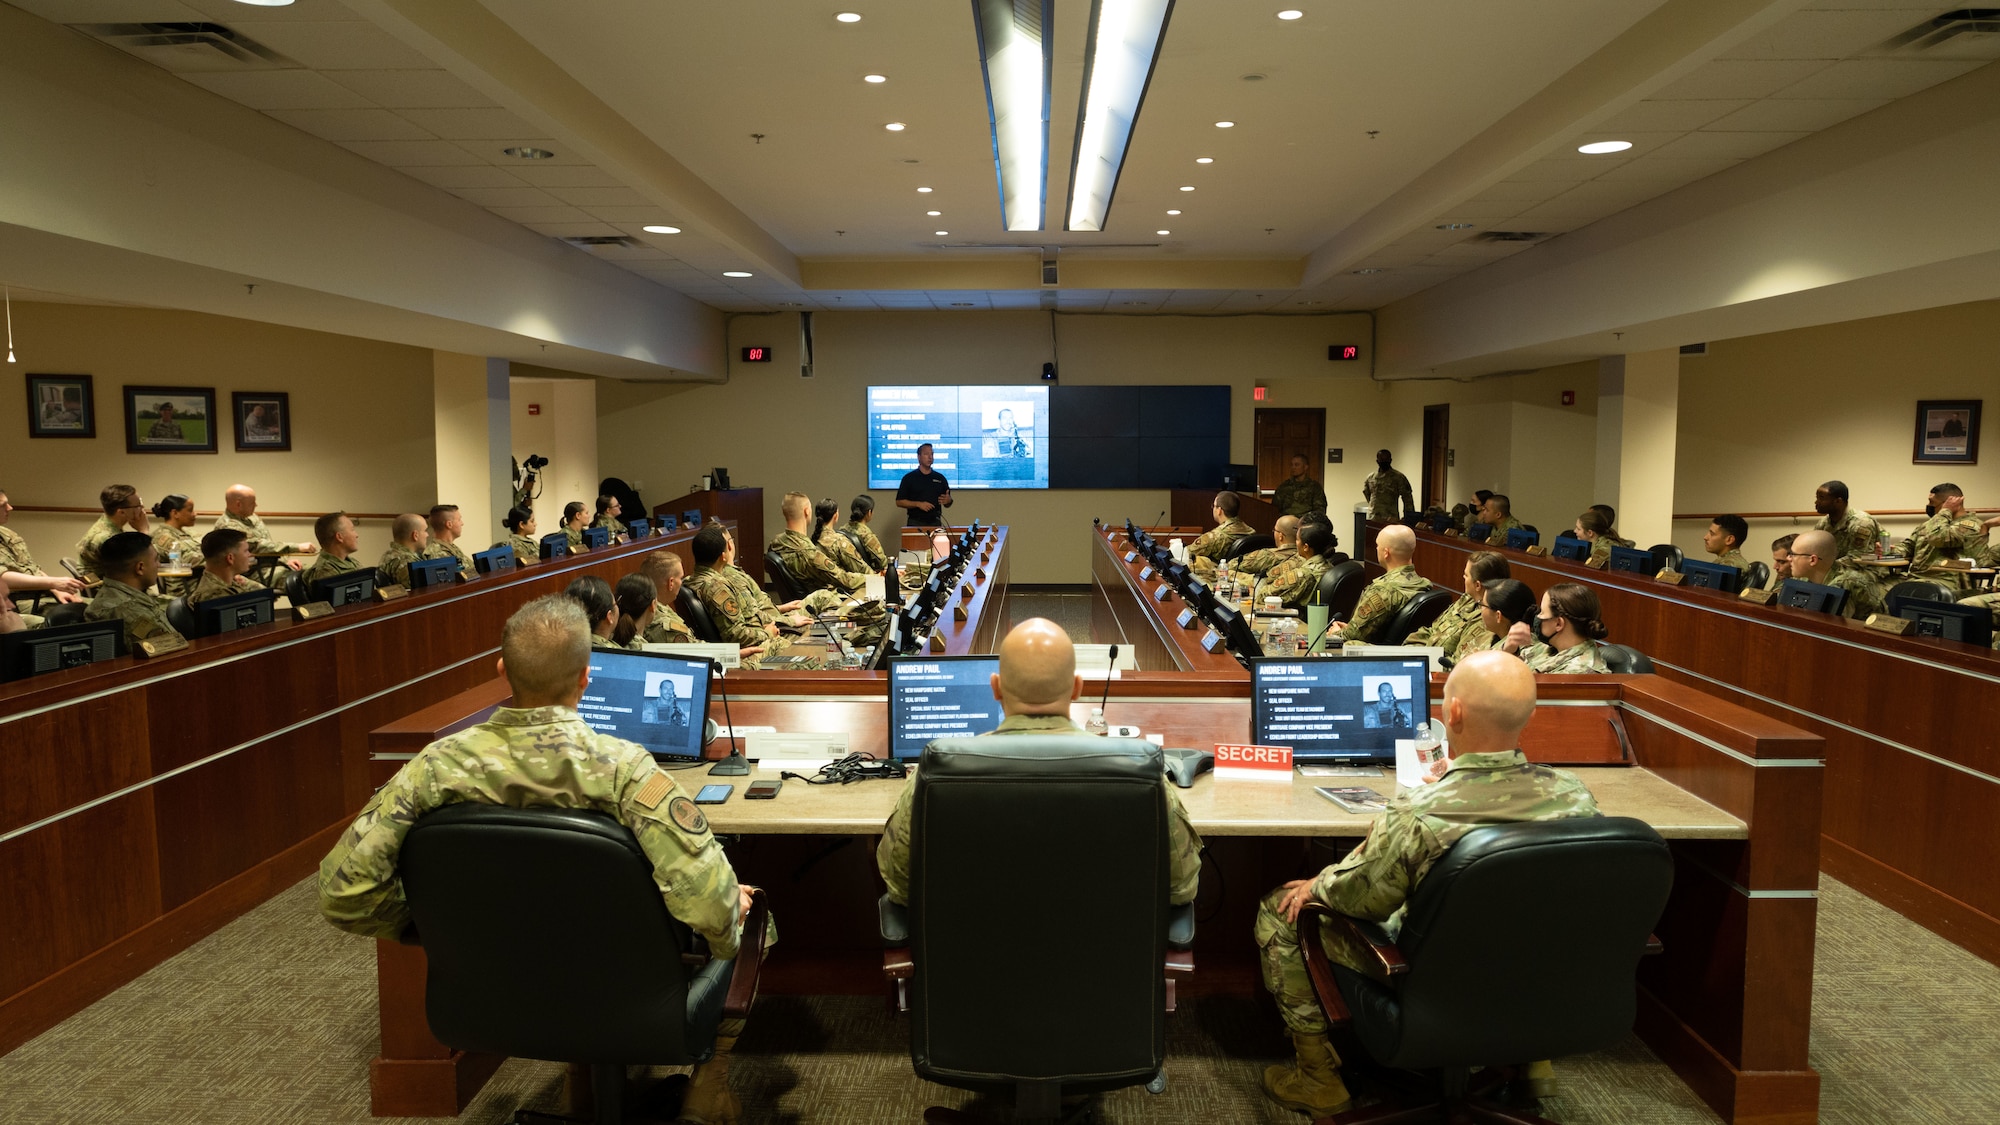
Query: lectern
744, 505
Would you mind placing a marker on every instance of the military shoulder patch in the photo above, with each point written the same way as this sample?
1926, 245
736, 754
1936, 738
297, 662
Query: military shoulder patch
686, 815
654, 791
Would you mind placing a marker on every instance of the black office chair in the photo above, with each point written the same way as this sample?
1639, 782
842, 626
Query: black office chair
995, 1005
1926, 591
1340, 588
1247, 543
63, 613
1568, 906
1416, 613
489, 884
696, 615
1757, 575
295, 588
1666, 556
1625, 660
182, 618
790, 589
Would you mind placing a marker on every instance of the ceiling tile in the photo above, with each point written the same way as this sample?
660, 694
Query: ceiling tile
355, 45
465, 176
544, 175
1877, 78
541, 214
646, 215
1738, 146
490, 123
351, 124
595, 197
1737, 78
573, 230
109, 11
1570, 168
1785, 114
410, 89
413, 154
279, 89
1671, 115
507, 197
1519, 191
1824, 34
1669, 168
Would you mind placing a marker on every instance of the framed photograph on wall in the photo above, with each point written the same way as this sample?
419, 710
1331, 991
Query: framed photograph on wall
61, 406
1947, 432
169, 419
263, 421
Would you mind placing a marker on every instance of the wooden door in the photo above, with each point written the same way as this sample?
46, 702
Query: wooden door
1437, 457
1281, 433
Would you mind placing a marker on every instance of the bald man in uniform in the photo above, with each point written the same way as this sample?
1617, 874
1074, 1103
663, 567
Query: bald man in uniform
1488, 699
1035, 684
239, 511
1815, 558
1285, 540
1395, 546
408, 535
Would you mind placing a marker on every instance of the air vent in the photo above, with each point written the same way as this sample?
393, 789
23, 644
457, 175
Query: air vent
1694, 349
1963, 33
1507, 236
188, 47
588, 241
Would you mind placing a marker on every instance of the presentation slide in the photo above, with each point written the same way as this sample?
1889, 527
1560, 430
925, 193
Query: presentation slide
981, 437
656, 701
1353, 707
949, 697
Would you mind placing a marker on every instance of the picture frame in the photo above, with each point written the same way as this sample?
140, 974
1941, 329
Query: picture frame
263, 421
1947, 432
169, 419
61, 406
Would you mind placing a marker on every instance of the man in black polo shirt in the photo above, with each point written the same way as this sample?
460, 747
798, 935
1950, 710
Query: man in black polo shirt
923, 494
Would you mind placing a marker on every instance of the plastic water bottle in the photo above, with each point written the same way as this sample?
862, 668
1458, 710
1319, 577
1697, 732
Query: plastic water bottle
173, 558
1222, 580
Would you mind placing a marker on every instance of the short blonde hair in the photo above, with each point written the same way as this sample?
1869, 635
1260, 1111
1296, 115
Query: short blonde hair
546, 646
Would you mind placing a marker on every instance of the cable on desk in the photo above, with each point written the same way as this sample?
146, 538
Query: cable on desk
853, 768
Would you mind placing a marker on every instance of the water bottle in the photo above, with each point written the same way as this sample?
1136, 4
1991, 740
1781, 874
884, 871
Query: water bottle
173, 558
1222, 581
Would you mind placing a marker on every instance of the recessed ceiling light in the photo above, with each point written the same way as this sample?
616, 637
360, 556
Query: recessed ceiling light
895, 126
848, 17
1187, 187
661, 230
942, 233
1173, 212
1225, 124
924, 191
1369, 269
876, 79
522, 152
934, 214
1290, 14
1204, 160
1597, 148
1163, 232
735, 273
1454, 226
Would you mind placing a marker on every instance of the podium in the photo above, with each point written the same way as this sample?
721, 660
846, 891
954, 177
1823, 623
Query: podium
744, 505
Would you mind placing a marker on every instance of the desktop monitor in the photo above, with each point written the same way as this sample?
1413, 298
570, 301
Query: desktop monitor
1200, 596
494, 558
640, 528
554, 545
890, 645
1571, 548
1439, 522
1632, 560
596, 538
238, 611
53, 649
1477, 532
933, 697
425, 573
1947, 621
1711, 576
655, 699
1234, 629
343, 589
691, 519
719, 478
1520, 538
1179, 576
668, 523
1343, 709
1801, 594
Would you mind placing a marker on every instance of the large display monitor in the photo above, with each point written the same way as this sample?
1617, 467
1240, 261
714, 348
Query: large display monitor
981, 437
654, 699
932, 697
1339, 709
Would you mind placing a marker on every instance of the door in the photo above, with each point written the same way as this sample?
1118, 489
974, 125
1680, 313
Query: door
1281, 433
1437, 456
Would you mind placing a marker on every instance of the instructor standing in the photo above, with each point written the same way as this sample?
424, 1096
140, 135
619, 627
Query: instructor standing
923, 494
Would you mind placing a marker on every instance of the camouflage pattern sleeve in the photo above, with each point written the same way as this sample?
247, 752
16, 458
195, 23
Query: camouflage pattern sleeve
892, 855
86, 547
14, 555
1577, 660
1213, 544
693, 875
358, 888
725, 613
1375, 878
1183, 850
1297, 585
1380, 601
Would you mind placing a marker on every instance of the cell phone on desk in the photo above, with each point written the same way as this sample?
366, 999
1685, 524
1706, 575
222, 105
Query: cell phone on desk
764, 790
713, 794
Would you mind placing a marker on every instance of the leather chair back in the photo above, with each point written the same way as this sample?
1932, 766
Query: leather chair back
1666, 556
64, 613
182, 618
1001, 991
1247, 543
295, 587
547, 938
1523, 942
1625, 660
1916, 588
1340, 588
1415, 614
696, 615
781, 576
1757, 575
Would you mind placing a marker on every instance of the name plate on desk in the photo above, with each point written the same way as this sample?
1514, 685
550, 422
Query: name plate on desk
159, 646
1894, 626
958, 613
312, 611
965, 591
1131, 556
391, 593
1186, 620
1538, 550
1253, 763
1670, 577
1598, 564
1145, 572
1761, 597
1163, 593
1212, 642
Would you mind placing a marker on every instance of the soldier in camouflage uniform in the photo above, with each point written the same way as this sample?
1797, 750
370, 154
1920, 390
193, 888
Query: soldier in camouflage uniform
809, 566
1724, 539
239, 511
123, 511
1035, 684
1395, 546
537, 752
338, 541
1487, 700
1813, 561
1947, 534
409, 535
1209, 549
446, 526
609, 513
1299, 586
129, 565
1285, 538
520, 523
1855, 532
1564, 640
1594, 527
176, 514
735, 619
858, 514
17, 565
1387, 491
1460, 621
1498, 514
225, 560
575, 518
842, 551
1299, 494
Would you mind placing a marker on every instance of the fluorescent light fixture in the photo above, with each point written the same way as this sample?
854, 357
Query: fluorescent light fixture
1291, 14
661, 230
1015, 58
941, 233
1598, 148
267, 3
1187, 187
1173, 212
1163, 232
1121, 50
735, 273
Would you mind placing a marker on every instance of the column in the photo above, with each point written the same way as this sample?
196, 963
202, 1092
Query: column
471, 394
1638, 421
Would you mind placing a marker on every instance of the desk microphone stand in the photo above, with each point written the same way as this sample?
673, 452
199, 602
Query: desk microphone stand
735, 765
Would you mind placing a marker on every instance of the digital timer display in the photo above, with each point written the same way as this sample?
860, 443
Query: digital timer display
757, 355
1343, 351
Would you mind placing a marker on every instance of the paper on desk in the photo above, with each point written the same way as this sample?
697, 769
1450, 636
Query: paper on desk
739, 732
873, 587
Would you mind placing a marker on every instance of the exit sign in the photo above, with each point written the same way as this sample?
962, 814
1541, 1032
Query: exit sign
1339, 352
757, 355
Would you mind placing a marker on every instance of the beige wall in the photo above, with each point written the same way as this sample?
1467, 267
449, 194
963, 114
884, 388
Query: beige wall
777, 431
565, 431
363, 433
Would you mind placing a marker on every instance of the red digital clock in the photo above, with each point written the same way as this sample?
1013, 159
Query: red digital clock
757, 355
1343, 351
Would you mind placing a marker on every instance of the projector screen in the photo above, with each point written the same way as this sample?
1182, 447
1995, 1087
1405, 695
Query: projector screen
981, 437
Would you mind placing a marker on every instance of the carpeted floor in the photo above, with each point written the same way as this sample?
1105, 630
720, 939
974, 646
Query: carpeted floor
272, 1020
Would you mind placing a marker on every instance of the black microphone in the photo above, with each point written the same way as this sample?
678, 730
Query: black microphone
735, 765
1161, 520
1110, 665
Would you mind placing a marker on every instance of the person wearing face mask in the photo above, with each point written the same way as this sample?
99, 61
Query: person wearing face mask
1502, 602
1946, 533
1564, 640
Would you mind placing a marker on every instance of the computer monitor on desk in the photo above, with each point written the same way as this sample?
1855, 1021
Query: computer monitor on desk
654, 699
1801, 594
1711, 576
554, 545
494, 558
1571, 548
344, 589
1231, 630
37, 652
1478, 532
1344, 709
425, 573
1631, 560
238, 611
640, 528
596, 538
1947, 621
1520, 538
933, 697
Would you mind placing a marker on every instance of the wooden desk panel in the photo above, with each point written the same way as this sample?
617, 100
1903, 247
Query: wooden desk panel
1194, 507
986, 611
741, 509
1123, 611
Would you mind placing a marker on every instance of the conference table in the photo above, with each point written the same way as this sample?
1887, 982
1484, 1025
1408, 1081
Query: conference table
1136, 609
1727, 1004
146, 802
